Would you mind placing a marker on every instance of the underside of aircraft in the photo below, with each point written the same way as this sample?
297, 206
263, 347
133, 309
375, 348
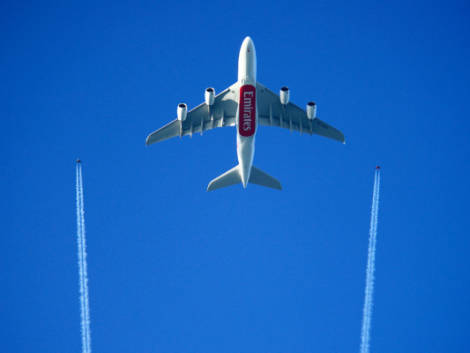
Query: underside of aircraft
246, 104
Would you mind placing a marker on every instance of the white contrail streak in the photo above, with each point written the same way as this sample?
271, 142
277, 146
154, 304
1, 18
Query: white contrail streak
79, 247
85, 268
82, 264
369, 291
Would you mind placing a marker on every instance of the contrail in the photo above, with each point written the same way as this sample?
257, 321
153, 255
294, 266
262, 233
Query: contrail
82, 264
369, 291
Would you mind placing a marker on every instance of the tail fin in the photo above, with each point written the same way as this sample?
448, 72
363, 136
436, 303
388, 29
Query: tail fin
230, 177
259, 177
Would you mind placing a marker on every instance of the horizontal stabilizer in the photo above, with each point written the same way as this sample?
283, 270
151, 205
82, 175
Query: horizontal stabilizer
259, 177
230, 177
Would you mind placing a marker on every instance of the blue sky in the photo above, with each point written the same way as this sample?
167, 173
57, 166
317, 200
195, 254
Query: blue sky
175, 269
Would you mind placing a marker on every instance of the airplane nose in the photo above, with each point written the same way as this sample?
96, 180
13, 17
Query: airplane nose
247, 60
248, 43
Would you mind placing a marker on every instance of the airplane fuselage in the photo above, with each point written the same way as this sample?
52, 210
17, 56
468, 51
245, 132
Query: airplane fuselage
247, 114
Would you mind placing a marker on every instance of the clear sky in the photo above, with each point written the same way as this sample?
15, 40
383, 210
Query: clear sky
175, 269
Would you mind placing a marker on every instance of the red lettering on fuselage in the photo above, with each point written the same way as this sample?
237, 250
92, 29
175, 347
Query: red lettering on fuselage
247, 111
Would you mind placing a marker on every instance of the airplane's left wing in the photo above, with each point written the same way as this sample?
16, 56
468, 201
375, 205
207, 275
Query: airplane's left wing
272, 113
202, 118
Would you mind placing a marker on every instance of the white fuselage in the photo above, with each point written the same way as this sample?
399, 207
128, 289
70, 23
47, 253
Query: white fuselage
247, 115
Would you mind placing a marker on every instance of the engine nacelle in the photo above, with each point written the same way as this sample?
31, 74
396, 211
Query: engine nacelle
284, 95
182, 111
311, 110
209, 96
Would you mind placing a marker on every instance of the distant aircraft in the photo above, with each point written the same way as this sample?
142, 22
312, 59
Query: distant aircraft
377, 167
245, 104
79, 161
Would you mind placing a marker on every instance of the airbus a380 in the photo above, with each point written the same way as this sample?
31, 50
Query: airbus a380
245, 104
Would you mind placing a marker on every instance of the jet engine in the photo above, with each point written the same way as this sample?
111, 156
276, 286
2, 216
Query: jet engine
284, 95
311, 110
182, 111
209, 96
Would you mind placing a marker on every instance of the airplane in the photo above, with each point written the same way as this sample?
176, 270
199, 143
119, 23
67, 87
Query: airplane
79, 161
377, 167
246, 104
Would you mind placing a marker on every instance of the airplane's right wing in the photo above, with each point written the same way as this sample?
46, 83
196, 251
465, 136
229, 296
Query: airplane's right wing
202, 118
272, 113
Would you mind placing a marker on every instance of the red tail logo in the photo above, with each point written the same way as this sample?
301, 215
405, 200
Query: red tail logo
247, 111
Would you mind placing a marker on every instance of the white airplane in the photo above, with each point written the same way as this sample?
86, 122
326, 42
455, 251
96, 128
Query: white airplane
245, 104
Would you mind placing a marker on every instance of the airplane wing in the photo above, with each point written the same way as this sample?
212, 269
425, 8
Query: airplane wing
203, 117
272, 113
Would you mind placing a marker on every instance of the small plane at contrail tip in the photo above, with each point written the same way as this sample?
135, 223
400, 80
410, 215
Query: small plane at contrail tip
246, 104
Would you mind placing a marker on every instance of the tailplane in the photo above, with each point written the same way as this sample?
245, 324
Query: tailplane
259, 177
232, 177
